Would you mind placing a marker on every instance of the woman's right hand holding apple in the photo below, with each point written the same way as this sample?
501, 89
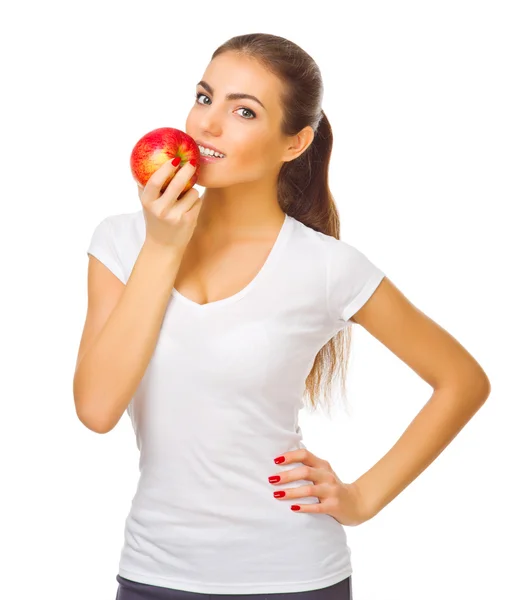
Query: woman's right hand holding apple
170, 222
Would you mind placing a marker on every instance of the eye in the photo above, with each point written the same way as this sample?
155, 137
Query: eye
243, 108
197, 97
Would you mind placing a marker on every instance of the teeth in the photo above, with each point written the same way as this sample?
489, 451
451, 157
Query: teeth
209, 152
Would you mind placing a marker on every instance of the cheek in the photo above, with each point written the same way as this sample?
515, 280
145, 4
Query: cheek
189, 121
256, 156
249, 167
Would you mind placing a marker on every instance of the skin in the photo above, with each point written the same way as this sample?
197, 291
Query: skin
237, 225
460, 388
240, 199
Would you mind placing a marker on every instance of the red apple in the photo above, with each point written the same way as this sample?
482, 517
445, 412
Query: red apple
158, 146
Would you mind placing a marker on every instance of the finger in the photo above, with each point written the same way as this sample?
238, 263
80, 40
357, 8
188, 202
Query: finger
172, 193
156, 181
196, 207
303, 491
303, 455
296, 474
187, 203
305, 473
316, 507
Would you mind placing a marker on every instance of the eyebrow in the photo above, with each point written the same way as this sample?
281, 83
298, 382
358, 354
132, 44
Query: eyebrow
233, 96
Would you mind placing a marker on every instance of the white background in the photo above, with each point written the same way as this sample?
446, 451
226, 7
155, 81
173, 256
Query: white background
427, 101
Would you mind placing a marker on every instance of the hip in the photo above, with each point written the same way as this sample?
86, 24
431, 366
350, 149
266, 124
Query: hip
134, 590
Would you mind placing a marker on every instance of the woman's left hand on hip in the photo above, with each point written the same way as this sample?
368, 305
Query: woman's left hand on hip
342, 501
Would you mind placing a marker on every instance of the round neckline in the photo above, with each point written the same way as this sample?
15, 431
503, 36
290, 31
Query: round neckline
269, 261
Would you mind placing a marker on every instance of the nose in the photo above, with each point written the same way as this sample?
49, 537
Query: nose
210, 122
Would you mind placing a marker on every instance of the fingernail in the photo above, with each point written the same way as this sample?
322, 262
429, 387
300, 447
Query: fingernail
274, 479
176, 161
279, 460
193, 162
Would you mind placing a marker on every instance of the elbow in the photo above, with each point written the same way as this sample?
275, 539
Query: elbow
480, 385
475, 388
486, 387
471, 382
90, 418
93, 422
88, 414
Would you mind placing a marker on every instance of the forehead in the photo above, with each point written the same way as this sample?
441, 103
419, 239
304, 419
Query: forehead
232, 73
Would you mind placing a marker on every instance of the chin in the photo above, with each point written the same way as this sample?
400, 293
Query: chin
210, 178
205, 181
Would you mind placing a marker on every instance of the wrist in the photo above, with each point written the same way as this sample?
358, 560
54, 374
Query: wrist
163, 252
365, 508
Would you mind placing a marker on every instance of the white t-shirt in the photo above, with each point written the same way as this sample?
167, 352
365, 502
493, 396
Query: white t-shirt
218, 402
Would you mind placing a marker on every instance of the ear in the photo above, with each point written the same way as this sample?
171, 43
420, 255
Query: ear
299, 143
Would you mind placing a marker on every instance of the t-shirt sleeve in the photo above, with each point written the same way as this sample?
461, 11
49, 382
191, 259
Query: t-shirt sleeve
102, 246
351, 279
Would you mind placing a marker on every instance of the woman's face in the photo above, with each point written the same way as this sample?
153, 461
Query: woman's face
247, 133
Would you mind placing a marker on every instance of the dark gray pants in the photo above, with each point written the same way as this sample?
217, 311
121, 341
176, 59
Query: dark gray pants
133, 590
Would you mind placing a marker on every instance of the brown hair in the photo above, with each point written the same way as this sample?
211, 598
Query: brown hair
303, 190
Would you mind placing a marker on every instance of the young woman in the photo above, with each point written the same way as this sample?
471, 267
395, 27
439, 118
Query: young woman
211, 319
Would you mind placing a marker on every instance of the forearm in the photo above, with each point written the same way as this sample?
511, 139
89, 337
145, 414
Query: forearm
435, 426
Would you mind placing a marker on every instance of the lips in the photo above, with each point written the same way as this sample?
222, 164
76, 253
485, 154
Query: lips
206, 145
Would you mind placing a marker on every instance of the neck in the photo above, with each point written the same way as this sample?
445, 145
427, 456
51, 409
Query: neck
229, 214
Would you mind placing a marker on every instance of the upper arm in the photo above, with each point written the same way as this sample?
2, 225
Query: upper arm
104, 292
429, 350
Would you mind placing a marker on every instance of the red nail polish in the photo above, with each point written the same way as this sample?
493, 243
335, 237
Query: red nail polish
279, 460
274, 479
295, 507
193, 162
176, 161
279, 494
